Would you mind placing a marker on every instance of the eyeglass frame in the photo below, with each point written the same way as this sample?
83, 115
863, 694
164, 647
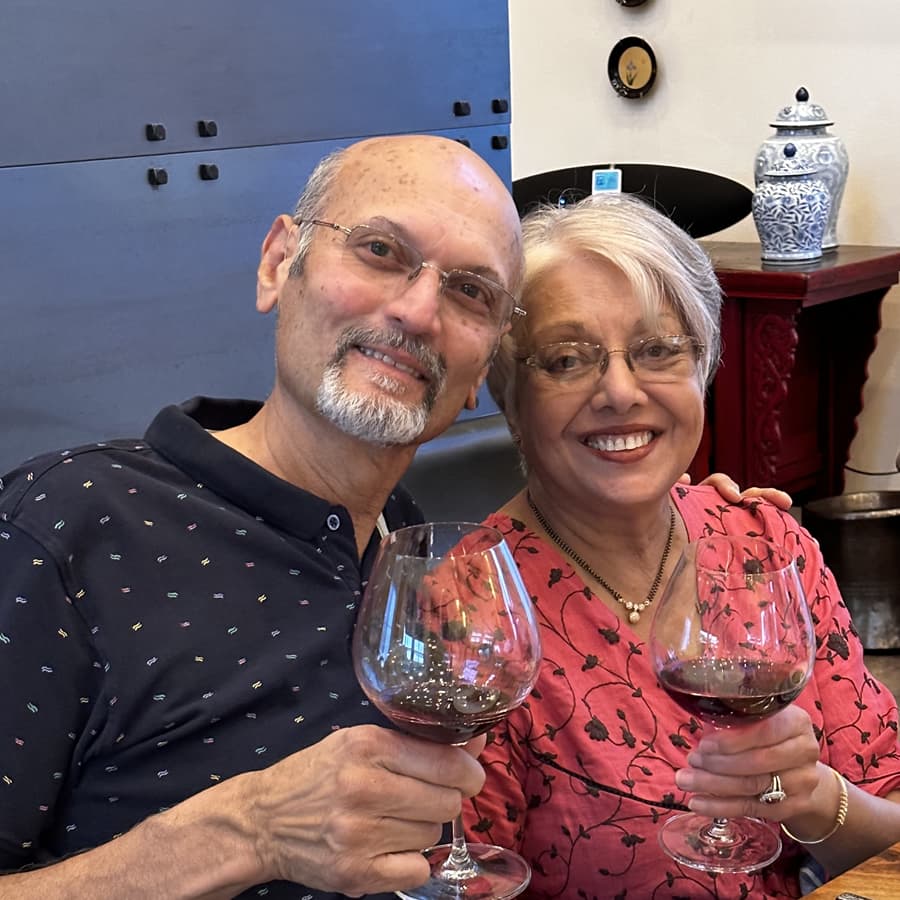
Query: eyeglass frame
443, 274
602, 363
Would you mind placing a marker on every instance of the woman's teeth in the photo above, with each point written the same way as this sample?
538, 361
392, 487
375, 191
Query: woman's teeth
612, 442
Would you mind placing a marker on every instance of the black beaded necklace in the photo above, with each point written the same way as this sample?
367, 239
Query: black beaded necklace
634, 609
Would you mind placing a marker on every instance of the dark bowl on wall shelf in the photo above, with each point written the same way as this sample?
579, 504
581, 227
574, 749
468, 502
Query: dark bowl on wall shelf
702, 203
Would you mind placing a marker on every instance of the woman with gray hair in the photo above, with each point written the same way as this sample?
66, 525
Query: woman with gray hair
602, 384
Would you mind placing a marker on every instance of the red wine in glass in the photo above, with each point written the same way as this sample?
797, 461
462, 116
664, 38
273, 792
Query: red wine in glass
446, 644
732, 690
732, 642
439, 719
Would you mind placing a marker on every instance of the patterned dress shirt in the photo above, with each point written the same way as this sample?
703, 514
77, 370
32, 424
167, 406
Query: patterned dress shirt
171, 615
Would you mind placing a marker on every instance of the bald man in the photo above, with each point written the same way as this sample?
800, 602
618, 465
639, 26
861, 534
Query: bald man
182, 718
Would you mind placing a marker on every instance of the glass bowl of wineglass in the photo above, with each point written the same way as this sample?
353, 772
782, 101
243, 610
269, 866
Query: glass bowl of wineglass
446, 644
732, 642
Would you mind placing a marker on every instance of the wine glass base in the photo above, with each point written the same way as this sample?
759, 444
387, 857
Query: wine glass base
738, 845
499, 874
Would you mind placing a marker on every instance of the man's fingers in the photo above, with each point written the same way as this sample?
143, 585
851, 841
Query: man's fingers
401, 797
778, 498
357, 876
724, 485
390, 872
349, 834
436, 764
731, 491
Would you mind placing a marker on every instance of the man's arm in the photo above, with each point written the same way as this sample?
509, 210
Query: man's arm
184, 852
349, 814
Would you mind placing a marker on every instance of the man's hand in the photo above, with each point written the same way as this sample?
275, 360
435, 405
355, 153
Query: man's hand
730, 491
352, 813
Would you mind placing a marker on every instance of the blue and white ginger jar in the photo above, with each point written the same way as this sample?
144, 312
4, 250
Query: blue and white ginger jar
791, 205
805, 125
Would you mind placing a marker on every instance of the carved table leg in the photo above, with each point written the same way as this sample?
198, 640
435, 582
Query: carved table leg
759, 341
771, 342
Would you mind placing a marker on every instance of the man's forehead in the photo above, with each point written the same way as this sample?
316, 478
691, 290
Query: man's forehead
433, 189
428, 219
418, 165
371, 186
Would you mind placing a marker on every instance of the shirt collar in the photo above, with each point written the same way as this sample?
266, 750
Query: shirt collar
181, 434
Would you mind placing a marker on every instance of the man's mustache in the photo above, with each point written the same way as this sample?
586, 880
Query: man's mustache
432, 362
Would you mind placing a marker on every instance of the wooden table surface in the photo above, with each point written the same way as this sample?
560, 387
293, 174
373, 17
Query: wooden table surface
877, 878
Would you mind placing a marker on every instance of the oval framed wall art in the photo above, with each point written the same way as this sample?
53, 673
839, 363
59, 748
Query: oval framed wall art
631, 67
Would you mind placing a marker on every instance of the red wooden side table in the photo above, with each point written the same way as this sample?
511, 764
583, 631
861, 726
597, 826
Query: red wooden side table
796, 340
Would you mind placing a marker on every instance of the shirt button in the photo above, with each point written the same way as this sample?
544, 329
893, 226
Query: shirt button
333, 522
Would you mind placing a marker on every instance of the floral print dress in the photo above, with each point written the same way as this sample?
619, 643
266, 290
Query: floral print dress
580, 778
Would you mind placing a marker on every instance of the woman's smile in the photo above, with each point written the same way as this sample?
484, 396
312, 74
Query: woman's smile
619, 441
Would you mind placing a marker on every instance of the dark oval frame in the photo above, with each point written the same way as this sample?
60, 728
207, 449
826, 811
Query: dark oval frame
612, 68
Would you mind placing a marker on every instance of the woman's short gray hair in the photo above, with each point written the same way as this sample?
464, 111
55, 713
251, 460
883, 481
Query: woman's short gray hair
665, 267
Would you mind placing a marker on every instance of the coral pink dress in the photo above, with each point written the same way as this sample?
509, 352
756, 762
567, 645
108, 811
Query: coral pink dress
580, 778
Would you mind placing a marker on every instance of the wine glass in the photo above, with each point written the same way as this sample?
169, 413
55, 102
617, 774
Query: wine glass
732, 642
446, 644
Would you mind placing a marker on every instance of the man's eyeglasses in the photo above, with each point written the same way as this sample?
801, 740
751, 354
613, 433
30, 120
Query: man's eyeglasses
661, 358
381, 256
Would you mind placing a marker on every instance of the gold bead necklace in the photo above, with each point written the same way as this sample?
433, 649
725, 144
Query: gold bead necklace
634, 609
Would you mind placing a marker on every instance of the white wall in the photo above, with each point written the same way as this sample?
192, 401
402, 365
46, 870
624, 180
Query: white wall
724, 69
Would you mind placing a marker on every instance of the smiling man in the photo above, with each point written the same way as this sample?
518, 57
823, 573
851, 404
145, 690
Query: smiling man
182, 718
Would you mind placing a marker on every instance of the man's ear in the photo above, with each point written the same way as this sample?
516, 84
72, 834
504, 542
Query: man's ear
275, 249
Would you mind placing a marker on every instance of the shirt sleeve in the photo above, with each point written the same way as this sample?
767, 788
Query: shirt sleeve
860, 721
50, 682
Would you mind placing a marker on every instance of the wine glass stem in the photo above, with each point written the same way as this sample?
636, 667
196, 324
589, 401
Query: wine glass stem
459, 866
720, 832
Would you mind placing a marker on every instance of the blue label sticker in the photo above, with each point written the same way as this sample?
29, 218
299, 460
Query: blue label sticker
604, 181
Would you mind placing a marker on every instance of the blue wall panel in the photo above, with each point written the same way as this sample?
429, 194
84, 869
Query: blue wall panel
117, 297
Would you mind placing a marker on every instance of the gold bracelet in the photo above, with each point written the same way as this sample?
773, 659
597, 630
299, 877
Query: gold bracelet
839, 820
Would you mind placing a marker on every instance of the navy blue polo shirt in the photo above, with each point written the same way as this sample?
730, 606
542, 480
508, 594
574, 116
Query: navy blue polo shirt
171, 614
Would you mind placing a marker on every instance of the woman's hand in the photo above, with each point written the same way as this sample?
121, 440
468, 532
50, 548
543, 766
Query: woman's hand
730, 491
731, 768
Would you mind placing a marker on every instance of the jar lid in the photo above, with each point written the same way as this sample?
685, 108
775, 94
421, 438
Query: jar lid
801, 114
790, 164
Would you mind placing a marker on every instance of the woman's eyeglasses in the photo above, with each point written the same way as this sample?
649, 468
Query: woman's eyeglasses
666, 357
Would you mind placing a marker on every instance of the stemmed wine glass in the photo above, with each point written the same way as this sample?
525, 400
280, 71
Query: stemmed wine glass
446, 644
732, 642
